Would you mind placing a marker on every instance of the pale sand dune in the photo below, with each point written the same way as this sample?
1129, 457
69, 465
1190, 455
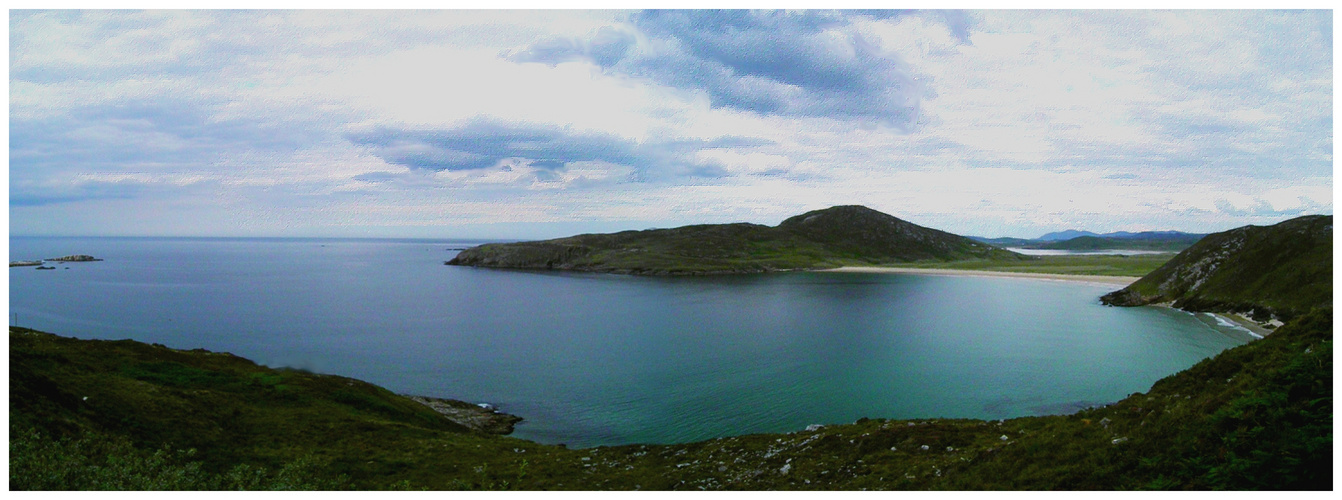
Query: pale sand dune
1108, 280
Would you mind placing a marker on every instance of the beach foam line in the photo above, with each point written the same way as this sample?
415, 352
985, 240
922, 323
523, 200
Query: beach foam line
1085, 278
1231, 323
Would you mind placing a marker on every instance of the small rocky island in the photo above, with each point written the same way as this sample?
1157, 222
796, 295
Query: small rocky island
76, 258
67, 258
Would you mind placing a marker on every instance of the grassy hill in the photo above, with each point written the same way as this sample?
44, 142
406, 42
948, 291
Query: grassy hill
1282, 270
88, 414
815, 240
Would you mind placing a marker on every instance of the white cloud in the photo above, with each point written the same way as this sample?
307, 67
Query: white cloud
1004, 122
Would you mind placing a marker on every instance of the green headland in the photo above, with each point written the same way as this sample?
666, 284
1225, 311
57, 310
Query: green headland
1277, 271
821, 239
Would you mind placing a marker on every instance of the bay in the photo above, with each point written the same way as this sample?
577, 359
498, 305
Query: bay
594, 359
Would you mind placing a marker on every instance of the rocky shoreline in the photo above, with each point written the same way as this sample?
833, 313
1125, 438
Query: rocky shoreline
479, 417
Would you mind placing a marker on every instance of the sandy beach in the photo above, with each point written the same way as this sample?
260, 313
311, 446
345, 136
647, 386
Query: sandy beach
1089, 278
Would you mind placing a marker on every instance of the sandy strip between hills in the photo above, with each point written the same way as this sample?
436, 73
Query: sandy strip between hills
1089, 278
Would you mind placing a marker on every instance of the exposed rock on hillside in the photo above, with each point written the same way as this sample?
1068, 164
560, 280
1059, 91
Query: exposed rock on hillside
1275, 271
483, 418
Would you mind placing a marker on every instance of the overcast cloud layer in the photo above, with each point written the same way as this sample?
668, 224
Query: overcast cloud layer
530, 124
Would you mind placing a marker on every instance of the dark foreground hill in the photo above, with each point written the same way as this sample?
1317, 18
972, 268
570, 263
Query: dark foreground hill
1280, 271
90, 414
845, 235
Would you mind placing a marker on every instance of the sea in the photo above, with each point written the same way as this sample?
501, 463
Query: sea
597, 359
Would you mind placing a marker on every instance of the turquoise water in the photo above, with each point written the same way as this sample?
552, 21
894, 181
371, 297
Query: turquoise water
604, 359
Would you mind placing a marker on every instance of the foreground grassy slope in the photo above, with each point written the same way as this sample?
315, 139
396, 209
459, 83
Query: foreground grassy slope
815, 240
1255, 417
1281, 270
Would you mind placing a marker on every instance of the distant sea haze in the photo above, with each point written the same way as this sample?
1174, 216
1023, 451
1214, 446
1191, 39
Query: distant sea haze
592, 359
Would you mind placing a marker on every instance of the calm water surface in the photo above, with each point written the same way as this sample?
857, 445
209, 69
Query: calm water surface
603, 359
1044, 251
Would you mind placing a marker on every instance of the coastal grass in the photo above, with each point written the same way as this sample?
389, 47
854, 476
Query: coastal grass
1095, 265
1258, 416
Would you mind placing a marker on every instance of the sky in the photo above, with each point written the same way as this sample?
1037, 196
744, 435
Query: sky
523, 124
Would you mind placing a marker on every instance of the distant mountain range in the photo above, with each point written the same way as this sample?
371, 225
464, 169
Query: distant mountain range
832, 237
1065, 235
1144, 235
1071, 239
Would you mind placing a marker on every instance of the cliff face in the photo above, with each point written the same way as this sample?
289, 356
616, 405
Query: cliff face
818, 239
1281, 270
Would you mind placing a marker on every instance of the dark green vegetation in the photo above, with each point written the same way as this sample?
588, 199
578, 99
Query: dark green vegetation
1257, 416
846, 235
1282, 271
1097, 265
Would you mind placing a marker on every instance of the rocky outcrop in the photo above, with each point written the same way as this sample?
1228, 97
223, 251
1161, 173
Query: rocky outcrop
479, 417
18, 263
